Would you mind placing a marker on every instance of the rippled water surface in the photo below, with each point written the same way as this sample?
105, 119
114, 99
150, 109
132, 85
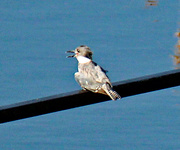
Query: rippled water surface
129, 39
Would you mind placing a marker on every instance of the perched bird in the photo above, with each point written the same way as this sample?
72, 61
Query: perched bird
91, 76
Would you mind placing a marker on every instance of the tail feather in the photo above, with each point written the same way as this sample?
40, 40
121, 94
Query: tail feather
111, 93
114, 95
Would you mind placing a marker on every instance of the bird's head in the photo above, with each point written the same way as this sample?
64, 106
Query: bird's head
82, 50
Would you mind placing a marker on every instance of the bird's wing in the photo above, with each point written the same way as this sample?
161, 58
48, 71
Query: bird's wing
100, 74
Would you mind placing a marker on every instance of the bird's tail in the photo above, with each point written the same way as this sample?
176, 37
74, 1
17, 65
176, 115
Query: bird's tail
110, 92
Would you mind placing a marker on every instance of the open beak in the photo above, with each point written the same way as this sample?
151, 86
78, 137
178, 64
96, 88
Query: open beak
71, 51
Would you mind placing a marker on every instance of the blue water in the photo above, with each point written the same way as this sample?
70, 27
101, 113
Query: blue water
128, 39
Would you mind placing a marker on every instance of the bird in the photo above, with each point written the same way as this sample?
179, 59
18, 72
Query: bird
91, 76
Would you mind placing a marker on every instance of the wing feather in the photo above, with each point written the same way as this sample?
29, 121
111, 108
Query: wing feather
99, 74
94, 72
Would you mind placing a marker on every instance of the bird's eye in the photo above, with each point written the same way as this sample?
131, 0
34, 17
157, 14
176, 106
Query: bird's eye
78, 50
